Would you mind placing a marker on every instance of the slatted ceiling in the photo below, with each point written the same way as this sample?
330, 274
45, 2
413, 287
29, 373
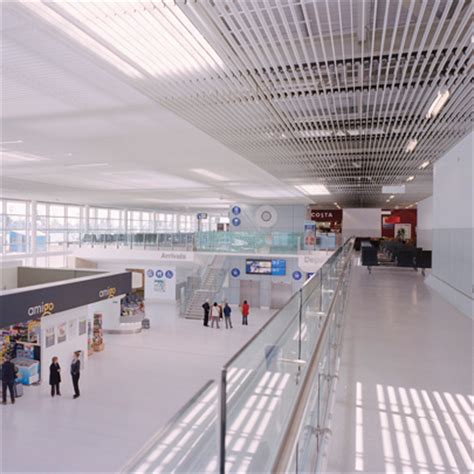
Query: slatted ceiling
303, 88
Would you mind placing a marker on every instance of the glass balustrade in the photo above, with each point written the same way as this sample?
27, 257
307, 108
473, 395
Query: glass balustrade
270, 408
215, 242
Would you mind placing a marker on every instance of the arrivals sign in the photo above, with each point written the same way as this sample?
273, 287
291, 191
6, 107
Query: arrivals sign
23, 305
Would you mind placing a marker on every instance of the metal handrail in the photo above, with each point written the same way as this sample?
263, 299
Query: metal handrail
291, 435
222, 394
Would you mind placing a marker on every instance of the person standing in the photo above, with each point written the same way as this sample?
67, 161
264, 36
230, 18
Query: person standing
9, 372
55, 376
227, 312
76, 373
245, 313
215, 315
206, 307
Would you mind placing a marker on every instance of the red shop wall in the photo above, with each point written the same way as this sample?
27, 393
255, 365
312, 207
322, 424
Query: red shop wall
407, 216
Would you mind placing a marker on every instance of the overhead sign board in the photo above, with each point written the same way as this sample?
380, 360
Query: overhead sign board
23, 305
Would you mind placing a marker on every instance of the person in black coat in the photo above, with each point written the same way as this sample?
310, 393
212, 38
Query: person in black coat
9, 372
75, 373
206, 307
55, 377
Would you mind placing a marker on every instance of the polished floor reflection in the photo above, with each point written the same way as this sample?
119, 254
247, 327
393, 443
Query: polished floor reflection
128, 393
405, 395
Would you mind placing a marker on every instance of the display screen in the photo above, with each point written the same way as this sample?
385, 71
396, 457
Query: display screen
273, 267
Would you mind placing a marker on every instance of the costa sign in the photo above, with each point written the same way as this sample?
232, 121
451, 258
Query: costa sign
330, 215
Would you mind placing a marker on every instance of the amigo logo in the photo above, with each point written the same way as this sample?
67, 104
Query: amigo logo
107, 293
43, 309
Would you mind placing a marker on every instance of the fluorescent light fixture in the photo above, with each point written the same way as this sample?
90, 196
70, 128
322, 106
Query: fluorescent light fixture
11, 142
410, 178
87, 165
411, 145
17, 156
392, 196
44, 11
313, 189
209, 174
424, 165
356, 164
314, 133
441, 98
266, 193
159, 38
388, 200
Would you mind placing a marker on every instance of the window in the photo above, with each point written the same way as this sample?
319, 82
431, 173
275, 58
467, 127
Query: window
14, 226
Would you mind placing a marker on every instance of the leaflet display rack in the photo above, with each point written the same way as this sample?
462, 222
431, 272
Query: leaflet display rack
98, 333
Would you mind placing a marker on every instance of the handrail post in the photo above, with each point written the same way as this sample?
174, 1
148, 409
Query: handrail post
223, 420
300, 317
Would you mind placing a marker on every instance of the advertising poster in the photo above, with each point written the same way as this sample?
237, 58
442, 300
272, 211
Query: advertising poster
309, 235
402, 231
82, 327
62, 332
72, 328
50, 337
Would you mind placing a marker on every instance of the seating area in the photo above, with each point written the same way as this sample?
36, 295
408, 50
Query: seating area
393, 253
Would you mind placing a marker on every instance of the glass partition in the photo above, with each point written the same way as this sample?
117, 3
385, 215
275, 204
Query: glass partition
281, 381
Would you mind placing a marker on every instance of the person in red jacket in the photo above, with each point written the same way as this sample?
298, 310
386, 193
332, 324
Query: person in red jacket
245, 308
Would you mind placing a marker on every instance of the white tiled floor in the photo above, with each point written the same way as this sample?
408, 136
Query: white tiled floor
405, 396
127, 394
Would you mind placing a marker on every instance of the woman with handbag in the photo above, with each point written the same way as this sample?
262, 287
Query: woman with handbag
55, 376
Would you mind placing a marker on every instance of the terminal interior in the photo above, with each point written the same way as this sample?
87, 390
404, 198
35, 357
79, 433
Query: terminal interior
302, 167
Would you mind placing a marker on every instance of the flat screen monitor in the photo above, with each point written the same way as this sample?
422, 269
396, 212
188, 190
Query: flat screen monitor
273, 267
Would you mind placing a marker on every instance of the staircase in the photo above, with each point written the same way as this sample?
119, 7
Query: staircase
209, 287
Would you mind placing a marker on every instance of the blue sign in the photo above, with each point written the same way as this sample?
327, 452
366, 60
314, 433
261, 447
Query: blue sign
236, 210
169, 274
236, 221
159, 274
201, 216
235, 272
278, 267
150, 273
297, 275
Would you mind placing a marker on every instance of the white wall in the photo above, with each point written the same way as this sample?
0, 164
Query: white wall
110, 310
362, 222
424, 228
160, 283
453, 247
63, 350
8, 277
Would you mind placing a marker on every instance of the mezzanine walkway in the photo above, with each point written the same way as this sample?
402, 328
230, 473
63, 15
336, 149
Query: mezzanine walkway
405, 395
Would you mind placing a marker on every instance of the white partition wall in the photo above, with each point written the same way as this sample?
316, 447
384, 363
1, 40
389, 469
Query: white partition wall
424, 230
453, 251
361, 223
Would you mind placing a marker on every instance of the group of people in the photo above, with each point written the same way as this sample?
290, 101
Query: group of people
217, 312
10, 374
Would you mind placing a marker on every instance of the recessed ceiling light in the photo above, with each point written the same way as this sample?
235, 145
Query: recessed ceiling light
313, 189
209, 174
410, 178
411, 145
424, 165
392, 196
69, 154
441, 98
388, 200
356, 164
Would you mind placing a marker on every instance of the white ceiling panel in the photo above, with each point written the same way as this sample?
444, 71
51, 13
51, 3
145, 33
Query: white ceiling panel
291, 91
